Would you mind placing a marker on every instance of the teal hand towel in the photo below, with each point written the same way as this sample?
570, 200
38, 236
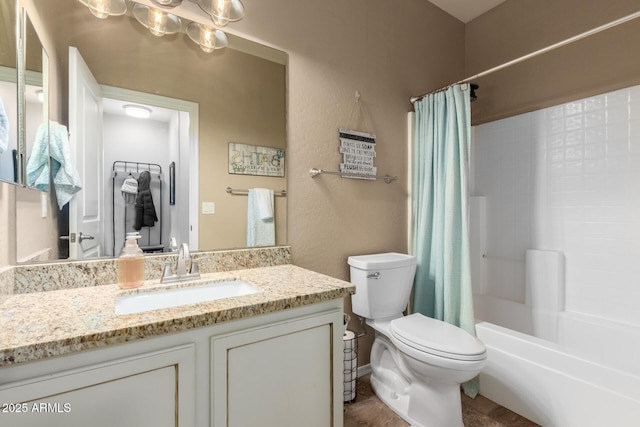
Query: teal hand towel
38, 163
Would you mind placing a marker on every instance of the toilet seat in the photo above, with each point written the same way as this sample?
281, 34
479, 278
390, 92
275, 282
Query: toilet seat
437, 338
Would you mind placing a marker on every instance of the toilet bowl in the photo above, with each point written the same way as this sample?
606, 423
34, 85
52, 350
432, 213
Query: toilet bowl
417, 363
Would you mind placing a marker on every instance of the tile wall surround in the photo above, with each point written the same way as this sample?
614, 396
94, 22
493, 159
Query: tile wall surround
566, 178
75, 274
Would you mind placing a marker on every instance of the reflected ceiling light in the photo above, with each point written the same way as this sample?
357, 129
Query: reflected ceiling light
137, 111
223, 11
157, 22
208, 38
104, 8
40, 95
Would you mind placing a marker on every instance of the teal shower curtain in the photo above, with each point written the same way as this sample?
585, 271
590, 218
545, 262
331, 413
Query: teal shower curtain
440, 171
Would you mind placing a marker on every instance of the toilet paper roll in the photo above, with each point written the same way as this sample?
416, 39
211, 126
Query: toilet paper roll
350, 367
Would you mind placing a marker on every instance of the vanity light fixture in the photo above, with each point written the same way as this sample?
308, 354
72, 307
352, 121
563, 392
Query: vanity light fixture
156, 21
104, 8
222, 11
209, 39
137, 111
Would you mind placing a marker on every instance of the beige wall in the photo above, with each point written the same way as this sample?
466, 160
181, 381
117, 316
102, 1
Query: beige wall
388, 51
597, 64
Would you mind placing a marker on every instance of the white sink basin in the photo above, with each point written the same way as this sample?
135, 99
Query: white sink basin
165, 298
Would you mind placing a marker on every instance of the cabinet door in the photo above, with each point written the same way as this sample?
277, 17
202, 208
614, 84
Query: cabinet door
276, 376
149, 390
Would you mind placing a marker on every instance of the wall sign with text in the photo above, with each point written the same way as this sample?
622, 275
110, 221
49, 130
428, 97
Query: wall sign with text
358, 150
255, 160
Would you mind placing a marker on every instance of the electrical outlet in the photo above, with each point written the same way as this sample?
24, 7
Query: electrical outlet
208, 208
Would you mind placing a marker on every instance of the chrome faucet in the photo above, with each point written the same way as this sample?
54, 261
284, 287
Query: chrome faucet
181, 274
183, 255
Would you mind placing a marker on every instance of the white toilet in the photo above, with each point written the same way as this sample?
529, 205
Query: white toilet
417, 363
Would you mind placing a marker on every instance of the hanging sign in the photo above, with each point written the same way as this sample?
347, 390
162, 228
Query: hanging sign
255, 160
358, 150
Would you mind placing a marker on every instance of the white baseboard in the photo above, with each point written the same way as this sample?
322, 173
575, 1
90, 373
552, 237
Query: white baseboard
364, 370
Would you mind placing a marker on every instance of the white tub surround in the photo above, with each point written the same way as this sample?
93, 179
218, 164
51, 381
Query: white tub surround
555, 255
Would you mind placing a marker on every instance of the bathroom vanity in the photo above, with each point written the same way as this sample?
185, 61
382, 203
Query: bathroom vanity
269, 358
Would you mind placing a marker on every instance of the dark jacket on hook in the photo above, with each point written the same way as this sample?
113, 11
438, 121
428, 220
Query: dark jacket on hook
145, 210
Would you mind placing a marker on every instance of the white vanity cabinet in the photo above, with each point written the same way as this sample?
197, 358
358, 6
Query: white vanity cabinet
152, 389
280, 375
279, 369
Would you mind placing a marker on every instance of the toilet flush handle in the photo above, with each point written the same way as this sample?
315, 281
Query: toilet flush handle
375, 275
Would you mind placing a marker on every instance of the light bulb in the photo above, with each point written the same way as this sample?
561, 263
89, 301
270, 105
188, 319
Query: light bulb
99, 8
209, 39
157, 22
224, 11
104, 8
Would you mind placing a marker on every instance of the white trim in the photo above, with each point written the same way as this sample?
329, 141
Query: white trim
364, 370
410, 135
194, 128
8, 74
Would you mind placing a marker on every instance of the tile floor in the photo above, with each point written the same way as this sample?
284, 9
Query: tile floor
369, 411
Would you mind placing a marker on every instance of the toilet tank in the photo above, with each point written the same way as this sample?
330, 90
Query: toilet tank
383, 284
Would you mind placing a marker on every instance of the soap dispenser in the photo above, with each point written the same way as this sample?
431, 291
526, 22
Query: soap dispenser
131, 263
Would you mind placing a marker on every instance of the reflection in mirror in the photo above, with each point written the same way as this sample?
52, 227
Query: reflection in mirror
8, 93
199, 103
36, 109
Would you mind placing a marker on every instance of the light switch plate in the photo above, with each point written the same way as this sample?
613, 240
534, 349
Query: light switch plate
44, 203
208, 208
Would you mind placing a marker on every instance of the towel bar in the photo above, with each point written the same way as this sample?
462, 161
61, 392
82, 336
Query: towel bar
241, 191
387, 178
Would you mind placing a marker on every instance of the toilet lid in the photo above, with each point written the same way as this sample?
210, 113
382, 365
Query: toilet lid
437, 337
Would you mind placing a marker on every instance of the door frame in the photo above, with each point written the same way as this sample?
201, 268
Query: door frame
192, 108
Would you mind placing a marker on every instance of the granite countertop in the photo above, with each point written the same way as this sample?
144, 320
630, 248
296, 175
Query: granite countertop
44, 324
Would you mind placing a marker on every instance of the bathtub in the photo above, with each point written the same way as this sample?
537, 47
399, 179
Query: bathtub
549, 383
552, 366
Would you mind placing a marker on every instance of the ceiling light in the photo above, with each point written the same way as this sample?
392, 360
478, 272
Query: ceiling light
158, 22
137, 111
223, 11
104, 8
208, 38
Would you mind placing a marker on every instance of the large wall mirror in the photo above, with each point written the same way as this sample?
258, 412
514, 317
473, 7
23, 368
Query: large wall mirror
198, 103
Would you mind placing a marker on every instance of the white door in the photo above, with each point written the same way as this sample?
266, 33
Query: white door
86, 228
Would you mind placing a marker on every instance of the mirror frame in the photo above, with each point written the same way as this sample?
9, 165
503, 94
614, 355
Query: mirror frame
24, 78
10, 75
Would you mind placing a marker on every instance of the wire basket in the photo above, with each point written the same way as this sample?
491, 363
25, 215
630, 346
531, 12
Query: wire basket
350, 363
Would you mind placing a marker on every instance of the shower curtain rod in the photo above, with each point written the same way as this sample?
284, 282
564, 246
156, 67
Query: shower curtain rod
549, 48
